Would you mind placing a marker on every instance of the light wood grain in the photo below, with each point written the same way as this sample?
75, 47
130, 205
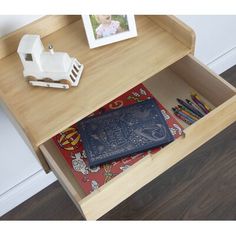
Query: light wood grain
166, 86
62, 172
177, 28
109, 72
43, 27
152, 166
199, 76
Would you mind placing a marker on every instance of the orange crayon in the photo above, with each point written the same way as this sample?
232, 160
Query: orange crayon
187, 113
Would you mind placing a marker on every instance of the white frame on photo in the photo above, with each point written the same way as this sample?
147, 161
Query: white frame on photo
93, 42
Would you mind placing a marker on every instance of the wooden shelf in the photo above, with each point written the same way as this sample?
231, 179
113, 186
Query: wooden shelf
178, 80
159, 57
109, 71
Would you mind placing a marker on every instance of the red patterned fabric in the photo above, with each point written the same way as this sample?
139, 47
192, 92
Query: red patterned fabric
71, 146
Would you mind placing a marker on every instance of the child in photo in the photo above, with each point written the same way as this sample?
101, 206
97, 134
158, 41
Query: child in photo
107, 26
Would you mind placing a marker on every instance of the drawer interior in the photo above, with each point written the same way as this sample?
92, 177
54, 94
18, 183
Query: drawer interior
186, 76
179, 80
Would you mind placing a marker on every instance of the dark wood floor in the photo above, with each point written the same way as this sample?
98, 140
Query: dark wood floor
201, 187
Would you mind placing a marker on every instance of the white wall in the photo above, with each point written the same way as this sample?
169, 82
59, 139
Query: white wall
9, 23
21, 176
17, 161
216, 40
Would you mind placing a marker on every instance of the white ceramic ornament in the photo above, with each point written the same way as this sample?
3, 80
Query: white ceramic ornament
47, 68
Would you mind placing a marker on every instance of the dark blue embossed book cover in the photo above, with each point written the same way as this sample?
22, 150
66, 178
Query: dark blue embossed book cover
125, 131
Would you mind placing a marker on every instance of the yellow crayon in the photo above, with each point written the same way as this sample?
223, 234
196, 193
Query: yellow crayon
204, 104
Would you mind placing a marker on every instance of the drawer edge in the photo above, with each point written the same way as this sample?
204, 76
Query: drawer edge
65, 178
108, 196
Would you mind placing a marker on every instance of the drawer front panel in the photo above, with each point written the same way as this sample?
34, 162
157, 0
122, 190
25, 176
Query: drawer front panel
123, 185
62, 172
150, 167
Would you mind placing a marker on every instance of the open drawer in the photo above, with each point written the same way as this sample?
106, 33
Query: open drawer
178, 80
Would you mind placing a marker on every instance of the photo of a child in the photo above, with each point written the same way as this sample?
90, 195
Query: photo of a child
108, 25
106, 29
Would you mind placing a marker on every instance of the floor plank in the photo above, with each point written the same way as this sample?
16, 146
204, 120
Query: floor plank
200, 187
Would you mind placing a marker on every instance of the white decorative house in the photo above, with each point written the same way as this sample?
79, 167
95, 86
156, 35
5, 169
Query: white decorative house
47, 68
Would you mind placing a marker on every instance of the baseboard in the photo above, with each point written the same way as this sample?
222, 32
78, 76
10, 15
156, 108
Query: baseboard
224, 61
24, 190
35, 183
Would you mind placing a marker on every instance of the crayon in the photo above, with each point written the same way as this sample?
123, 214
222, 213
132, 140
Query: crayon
193, 105
199, 104
191, 108
183, 115
183, 119
204, 104
190, 103
186, 113
190, 113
